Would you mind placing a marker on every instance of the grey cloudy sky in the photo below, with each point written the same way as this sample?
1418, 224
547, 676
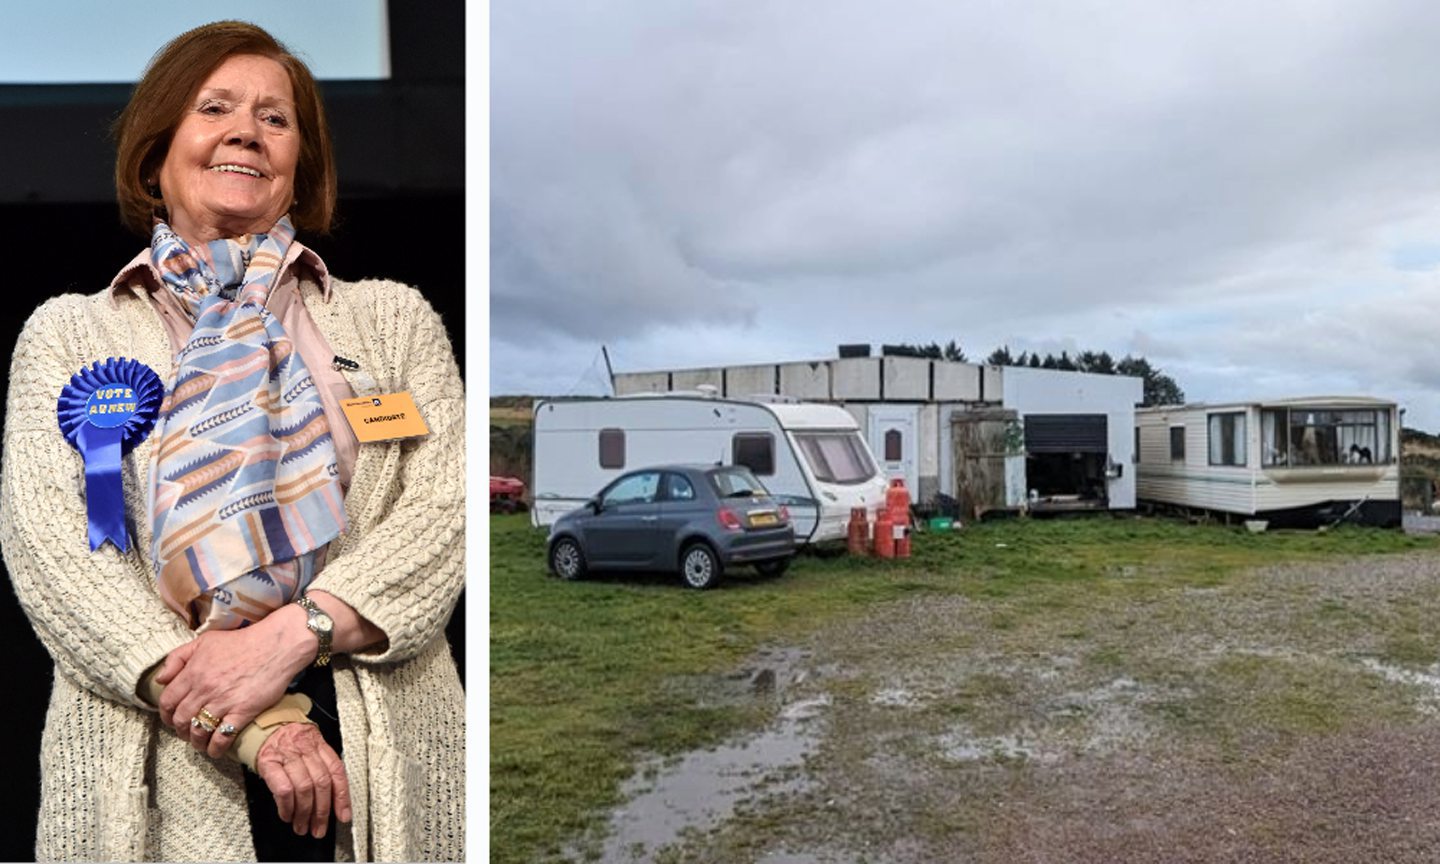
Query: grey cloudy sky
1249, 197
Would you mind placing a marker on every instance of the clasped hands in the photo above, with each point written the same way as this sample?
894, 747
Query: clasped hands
233, 675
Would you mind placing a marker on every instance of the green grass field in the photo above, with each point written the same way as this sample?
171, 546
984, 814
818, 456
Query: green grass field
588, 677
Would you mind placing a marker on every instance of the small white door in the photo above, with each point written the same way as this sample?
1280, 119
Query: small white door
893, 431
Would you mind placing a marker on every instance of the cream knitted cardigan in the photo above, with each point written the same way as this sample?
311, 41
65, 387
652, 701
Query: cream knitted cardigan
117, 785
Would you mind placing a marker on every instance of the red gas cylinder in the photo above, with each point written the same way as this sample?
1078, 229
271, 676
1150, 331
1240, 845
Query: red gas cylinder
884, 534
858, 539
897, 501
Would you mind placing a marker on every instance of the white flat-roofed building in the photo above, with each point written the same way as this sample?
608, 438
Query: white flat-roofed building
990, 437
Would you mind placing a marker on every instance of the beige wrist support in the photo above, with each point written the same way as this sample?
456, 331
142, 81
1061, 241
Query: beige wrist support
292, 708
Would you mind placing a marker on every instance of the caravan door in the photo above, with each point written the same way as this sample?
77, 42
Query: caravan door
893, 440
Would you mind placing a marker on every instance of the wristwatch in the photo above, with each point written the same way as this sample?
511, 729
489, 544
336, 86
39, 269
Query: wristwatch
321, 624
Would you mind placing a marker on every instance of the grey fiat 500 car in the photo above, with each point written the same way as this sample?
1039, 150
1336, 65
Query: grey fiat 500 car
698, 519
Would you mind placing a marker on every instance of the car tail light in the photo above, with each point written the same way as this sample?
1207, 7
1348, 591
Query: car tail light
784, 513
728, 518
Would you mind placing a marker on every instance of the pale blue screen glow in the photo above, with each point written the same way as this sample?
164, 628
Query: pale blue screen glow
88, 42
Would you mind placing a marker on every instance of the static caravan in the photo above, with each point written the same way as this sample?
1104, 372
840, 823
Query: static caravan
810, 456
1292, 462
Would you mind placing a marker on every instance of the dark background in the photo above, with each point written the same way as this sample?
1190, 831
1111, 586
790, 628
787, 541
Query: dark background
399, 145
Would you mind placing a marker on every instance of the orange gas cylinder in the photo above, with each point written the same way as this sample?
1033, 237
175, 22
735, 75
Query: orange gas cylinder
884, 534
858, 539
897, 501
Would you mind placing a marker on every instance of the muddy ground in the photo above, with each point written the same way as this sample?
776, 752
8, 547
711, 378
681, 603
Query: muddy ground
1289, 714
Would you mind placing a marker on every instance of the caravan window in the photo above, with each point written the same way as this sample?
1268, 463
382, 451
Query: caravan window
1274, 437
612, 448
1314, 436
754, 450
1177, 443
1227, 438
836, 457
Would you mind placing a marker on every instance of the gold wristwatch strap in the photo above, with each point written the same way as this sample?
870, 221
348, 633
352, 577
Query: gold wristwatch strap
324, 637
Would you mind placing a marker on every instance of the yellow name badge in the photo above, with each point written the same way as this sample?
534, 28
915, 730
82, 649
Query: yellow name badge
385, 417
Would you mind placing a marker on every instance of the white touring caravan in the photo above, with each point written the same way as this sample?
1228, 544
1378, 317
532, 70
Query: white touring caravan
1291, 462
812, 457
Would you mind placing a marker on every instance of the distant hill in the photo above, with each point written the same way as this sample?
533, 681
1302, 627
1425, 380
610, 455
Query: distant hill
510, 444
509, 410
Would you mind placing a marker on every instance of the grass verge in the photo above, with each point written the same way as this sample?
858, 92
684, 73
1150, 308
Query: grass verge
583, 675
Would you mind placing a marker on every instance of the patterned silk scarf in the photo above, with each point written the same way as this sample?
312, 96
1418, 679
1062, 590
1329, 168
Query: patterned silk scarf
244, 484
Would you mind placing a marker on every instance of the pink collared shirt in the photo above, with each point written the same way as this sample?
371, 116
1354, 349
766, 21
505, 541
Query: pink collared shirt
286, 304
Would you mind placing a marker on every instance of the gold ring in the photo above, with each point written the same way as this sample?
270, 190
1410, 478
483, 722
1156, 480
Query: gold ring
206, 715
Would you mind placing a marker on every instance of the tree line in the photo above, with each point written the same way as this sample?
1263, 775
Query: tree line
1160, 389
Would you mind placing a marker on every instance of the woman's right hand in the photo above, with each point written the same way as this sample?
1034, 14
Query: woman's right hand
306, 777
233, 674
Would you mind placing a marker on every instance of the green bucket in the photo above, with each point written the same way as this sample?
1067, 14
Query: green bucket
941, 523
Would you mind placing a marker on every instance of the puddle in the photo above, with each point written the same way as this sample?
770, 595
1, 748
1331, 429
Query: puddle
894, 697
1060, 665
1098, 720
805, 709
1429, 681
1108, 715
769, 674
668, 800
960, 745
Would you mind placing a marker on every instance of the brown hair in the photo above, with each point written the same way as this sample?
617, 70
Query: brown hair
159, 101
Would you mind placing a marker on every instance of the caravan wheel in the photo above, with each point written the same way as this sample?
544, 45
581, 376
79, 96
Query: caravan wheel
700, 567
566, 559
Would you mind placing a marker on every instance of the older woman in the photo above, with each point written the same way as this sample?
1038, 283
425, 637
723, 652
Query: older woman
258, 584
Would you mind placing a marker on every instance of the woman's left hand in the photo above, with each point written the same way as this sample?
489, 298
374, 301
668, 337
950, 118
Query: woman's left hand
233, 675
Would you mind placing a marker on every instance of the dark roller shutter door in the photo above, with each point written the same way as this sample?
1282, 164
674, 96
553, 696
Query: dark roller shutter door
1066, 433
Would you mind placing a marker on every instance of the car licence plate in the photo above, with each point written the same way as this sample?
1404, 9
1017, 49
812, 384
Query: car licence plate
759, 519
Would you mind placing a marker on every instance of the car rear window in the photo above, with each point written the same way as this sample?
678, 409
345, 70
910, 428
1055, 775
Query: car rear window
678, 488
736, 482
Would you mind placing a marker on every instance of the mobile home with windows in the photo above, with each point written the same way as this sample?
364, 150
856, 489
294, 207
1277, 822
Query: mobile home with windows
811, 457
1292, 462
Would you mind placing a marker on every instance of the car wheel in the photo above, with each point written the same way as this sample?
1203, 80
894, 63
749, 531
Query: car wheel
700, 567
566, 559
771, 569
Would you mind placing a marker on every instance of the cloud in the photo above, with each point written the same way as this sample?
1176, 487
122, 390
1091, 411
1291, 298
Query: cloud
1245, 195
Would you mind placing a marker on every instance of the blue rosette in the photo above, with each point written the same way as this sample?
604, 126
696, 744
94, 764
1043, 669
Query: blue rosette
105, 410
